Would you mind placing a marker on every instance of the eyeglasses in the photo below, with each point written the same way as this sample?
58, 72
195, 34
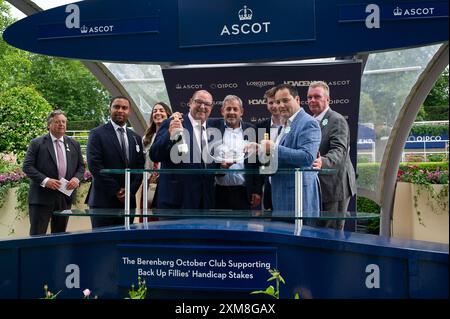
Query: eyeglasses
200, 102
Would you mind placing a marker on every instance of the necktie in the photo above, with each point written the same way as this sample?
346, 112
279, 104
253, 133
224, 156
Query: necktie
203, 143
123, 145
60, 160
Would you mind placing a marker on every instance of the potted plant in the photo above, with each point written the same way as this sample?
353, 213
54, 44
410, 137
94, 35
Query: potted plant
421, 204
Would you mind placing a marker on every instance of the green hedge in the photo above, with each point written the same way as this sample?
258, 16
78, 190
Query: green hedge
431, 130
366, 205
23, 116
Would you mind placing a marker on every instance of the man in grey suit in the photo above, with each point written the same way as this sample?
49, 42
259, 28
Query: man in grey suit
52, 160
334, 152
296, 147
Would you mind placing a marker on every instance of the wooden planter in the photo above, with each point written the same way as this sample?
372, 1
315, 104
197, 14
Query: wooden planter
431, 226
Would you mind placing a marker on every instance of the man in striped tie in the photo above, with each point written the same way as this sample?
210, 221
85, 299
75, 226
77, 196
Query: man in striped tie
52, 161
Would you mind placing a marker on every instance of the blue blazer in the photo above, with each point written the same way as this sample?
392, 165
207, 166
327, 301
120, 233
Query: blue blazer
104, 151
176, 190
298, 148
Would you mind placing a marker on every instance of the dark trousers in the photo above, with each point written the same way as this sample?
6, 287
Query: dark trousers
41, 215
337, 208
107, 221
232, 197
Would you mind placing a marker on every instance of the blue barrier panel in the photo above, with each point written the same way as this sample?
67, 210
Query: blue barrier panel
320, 263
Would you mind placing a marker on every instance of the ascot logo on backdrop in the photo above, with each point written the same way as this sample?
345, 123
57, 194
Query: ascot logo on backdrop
245, 14
73, 22
399, 12
196, 86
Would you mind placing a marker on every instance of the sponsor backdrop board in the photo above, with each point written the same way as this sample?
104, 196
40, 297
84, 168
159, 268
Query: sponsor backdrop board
251, 82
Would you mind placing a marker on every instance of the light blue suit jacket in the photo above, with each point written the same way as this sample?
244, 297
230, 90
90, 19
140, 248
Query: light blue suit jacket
298, 149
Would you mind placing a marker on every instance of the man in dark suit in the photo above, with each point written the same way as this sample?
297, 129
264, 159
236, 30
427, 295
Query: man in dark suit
235, 190
178, 145
53, 163
334, 153
113, 146
270, 126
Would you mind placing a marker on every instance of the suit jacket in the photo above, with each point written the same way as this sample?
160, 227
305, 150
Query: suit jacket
253, 182
298, 148
177, 190
40, 162
335, 152
104, 152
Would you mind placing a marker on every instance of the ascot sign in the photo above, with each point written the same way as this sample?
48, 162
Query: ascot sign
246, 14
205, 31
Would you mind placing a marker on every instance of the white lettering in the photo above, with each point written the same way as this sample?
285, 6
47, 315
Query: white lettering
373, 279
225, 30
73, 279
373, 19
246, 28
73, 19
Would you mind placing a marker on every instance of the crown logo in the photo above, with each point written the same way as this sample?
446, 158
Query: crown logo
245, 14
178, 86
398, 11
84, 29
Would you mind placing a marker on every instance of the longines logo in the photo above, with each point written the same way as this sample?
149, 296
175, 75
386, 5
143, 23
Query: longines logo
179, 86
73, 22
260, 84
223, 86
245, 14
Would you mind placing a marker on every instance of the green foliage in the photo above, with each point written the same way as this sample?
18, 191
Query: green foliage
48, 294
82, 125
424, 178
368, 172
22, 117
367, 175
270, 290
140, 293
366, 205
22, 198
430, 130
439, 93
436, 113
69, 86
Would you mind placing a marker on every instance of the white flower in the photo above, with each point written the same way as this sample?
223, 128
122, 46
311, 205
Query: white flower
324, 122
86, 293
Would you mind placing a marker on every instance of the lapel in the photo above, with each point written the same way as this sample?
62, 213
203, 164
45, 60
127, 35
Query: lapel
324, 123
113, 136
49, 145
132, 144
293, 127
193, 145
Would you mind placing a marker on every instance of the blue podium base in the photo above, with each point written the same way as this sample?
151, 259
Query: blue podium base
222, 258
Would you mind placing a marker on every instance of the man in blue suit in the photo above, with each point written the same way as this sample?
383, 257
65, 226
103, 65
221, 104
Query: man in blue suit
295, 147
113, 146
178, 145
